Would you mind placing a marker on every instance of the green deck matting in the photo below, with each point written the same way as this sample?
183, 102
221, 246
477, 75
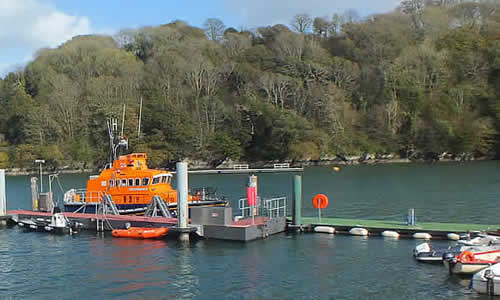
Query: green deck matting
387, 224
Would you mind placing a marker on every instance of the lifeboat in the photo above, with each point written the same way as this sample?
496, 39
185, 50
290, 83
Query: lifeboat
141, 232
132, 186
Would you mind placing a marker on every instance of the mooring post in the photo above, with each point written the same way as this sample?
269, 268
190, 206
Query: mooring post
182, 199
34, 194
3, 201
297, 201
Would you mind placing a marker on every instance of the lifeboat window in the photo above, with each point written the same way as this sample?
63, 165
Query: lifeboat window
111, 183
156, 180
131, 182
145, 181
117, 183
124, 182
164, 179
137, 181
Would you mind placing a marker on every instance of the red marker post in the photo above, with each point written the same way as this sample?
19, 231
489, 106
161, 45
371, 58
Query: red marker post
252, 200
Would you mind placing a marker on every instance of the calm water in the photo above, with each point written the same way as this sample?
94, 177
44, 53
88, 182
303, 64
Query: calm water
304, 266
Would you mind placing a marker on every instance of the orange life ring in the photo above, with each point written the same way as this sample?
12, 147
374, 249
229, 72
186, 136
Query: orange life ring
466, 256
320, 201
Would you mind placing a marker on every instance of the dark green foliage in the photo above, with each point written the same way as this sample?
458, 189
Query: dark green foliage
425, 78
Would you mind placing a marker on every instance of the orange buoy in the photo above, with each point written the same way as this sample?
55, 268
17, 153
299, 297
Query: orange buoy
336, 169
320, 201
141, 232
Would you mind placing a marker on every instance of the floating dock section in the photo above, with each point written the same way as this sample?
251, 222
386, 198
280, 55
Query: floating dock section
376, 227
207, 222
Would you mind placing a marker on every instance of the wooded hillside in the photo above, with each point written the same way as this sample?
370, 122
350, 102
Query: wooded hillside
422, 79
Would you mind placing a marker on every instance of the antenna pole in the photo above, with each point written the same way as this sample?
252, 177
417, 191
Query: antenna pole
139, 127
123, 119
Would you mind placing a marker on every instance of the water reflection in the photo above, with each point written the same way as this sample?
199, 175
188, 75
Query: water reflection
185, 282
129, 265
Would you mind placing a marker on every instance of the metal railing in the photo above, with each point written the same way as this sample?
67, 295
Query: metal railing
246, 210
80, 195
281, 166
275, 207
272, 207
240, 167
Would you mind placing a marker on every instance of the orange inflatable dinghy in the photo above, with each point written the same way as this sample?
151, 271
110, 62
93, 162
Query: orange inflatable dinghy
141, 232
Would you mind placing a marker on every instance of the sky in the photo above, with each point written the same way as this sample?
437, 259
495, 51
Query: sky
28, 25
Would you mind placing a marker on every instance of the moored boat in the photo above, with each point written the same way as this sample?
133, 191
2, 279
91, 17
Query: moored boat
57, 223
487, 281
131, 185
468, 262
141, 232
481, 239
426, 252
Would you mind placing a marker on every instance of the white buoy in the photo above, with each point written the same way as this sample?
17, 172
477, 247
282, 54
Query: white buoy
422, 236
453, 236
324, 229
390, 234
358, 231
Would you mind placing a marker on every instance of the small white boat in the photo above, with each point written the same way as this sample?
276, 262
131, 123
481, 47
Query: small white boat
487, 281
57, 223
482, 239
426, 252
468, 262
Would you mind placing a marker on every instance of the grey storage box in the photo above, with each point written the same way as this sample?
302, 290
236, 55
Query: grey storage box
212, 215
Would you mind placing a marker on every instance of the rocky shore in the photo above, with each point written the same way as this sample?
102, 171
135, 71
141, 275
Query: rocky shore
324, 161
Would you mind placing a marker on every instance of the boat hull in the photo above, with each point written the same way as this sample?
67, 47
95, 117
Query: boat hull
127, 209
45, 225
91, 208
487, 281
141, 232
460, 268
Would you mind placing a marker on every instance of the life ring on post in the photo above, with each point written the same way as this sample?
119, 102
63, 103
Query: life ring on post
320, 201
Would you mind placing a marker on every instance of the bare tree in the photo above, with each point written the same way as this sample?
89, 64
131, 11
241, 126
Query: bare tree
336, 24
214, 29
320, 26
414, 9
301, 23
351, 16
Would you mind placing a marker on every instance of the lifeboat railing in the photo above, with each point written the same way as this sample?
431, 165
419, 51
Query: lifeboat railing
205, 194
80, 195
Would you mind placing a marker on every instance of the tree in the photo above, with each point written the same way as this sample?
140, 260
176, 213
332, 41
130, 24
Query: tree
320, 26
351, 16
301, 23
214, 29
336, 24
414, 9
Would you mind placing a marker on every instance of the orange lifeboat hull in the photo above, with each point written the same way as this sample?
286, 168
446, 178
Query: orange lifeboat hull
141, 232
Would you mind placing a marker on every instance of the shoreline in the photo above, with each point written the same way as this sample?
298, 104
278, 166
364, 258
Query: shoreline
201, 165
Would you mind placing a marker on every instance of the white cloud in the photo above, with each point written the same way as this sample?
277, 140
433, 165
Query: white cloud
27, 25
266, 12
